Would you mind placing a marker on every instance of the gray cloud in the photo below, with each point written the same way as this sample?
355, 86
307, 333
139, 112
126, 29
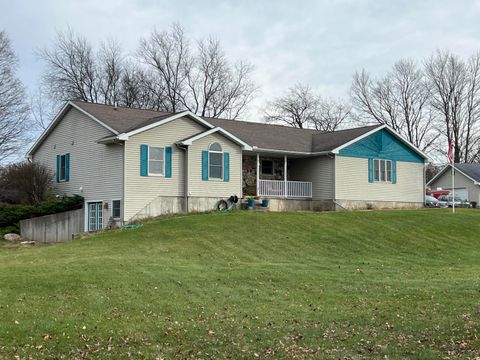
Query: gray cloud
321, 43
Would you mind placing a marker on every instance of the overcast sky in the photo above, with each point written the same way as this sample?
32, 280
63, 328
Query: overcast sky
321, 43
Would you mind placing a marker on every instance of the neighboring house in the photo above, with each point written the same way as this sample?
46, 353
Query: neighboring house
467, 181
130, 163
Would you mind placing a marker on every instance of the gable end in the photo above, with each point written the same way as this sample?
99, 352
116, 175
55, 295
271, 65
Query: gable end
382, 144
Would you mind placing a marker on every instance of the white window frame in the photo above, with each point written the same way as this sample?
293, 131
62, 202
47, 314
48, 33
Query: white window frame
63, 159
162, 174
222, 166
120, 209
382, 171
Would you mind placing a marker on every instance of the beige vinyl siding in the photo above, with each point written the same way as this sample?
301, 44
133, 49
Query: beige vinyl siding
141, 190
461, 181
318, 170
214, 188
351, 179
97, 168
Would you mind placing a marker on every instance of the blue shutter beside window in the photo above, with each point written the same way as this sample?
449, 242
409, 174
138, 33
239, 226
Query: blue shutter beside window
370, 170
394, 171
168, 161
58, 168
204, 165
143, 160
226, 166
67, 167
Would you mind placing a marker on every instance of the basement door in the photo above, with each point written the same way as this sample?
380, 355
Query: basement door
95, 216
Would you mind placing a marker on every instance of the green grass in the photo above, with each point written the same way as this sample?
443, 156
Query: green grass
401, 284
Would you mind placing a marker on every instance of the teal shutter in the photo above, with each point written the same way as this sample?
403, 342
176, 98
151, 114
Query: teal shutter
58, 168
370, 170
226, 166
394, 171
168, 161
204, 165
67, 167
143, 160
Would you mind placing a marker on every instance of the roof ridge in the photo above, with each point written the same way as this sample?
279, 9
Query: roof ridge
122, 107
163, 114
313, 131
261, 123
348, 129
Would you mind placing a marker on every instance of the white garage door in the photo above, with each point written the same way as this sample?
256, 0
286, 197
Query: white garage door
461, 193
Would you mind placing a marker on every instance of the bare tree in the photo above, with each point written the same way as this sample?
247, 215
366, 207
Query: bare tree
168, 53
214, 87
297, 108
71, 72
25, 183
332, 114
133, 90
42, 109
302, 108
169, 76
453, 86
111, 66
202, 81
399, 100
13, 108
75, 71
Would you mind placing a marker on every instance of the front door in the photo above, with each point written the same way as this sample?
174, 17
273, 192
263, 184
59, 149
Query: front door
95, 216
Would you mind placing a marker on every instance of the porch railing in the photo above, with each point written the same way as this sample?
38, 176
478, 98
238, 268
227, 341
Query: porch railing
278, 188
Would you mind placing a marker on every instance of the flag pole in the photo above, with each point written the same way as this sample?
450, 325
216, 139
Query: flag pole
451, 160
453, 187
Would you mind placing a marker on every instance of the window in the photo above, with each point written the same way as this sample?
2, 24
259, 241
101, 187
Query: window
389, 170
116, 209
267, 167
382, 170
156, 160
215, 161
63, 167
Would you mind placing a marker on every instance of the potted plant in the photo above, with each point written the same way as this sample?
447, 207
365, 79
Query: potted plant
265, 203
250, 202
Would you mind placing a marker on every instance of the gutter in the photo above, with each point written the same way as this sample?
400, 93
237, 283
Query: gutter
110, 140
255, 148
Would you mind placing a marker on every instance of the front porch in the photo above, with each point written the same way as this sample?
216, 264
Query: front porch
274, 176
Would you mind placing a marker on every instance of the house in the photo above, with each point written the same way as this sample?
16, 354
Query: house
130, 163
467, 181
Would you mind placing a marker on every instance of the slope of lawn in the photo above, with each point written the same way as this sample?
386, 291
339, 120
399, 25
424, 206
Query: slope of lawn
379, 284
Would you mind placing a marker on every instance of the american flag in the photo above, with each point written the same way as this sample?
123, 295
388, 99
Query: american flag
450, 151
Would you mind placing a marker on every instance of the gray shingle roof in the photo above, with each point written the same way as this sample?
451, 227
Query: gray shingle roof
325, 141
121, 119
268, 136
472, 170
265, 136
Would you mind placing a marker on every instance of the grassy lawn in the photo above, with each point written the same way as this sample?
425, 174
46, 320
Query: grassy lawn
401, 284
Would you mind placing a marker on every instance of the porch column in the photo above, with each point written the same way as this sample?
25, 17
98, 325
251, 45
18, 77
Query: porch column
258, 173
285, 175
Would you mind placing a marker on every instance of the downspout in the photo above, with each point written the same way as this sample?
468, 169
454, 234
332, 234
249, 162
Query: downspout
424, 182
185, 175
124, 185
